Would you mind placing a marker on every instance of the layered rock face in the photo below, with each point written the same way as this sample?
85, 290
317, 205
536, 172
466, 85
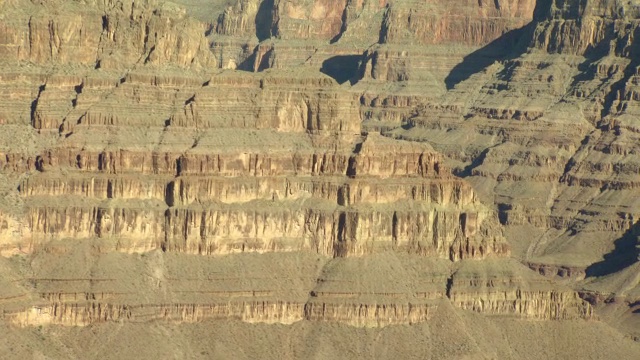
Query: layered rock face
409, 65
550, 136
143, 182
103, 34
576, 82
300, 166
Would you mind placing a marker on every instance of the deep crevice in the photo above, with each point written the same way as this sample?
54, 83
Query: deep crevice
340, 247
39, 163
264, 20
265, 61
164, 245
343, 27
503, 213
148, 57
34, 106
105, 22
249, 63
110, 189
449, 286
169, 197
179, 166
394, 230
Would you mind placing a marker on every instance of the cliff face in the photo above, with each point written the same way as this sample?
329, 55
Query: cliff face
576, 79
363, 163
552, 137
104, 34
460, 22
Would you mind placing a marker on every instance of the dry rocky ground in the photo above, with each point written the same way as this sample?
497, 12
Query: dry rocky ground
323, 179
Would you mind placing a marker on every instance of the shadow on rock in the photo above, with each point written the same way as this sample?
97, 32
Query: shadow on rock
624, 254
507, 47
342, 68
264, 20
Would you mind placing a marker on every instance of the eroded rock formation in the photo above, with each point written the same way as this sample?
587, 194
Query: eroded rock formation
363, 163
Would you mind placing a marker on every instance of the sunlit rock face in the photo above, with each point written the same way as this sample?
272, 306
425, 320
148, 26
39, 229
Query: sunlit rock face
369, 164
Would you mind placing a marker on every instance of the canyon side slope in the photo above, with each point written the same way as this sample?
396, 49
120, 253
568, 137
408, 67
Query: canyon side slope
319, 179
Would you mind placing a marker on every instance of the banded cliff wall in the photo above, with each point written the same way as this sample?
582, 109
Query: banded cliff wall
134, 137
551, 139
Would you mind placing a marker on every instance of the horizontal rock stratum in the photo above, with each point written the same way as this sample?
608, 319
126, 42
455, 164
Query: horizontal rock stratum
319, 179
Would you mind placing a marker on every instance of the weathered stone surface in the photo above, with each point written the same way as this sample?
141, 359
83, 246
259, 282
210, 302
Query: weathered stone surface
323, 163
550, 137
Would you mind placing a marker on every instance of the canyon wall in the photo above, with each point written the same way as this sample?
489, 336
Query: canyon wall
365, 163
551, 138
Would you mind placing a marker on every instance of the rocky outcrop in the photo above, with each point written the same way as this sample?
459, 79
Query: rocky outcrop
497, 287
102, 34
